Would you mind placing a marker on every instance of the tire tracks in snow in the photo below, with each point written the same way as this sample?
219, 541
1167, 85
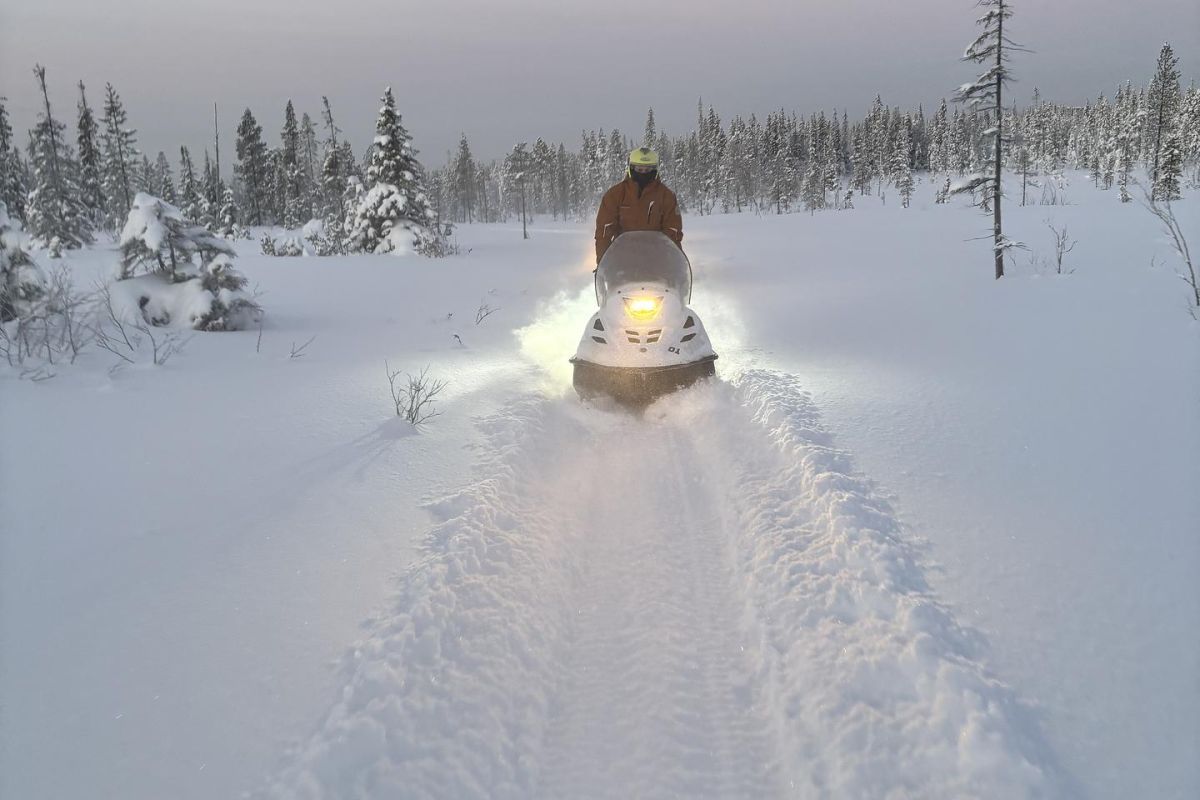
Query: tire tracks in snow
704, 602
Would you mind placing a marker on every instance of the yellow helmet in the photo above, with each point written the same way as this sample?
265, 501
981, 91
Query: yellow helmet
643, 159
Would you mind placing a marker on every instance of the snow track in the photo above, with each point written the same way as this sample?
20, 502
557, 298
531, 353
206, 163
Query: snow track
665, 607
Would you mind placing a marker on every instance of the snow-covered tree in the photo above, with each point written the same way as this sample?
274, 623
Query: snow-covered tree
162, 180
991, 48
56, 215
191, 195
120, 158
191, 279
12, 172
1170, 168
22, 283
91, 189
517, 167
252, 168
393, 214
902, 177
291, 195
227, 221
1162, 107
650, 137
463, 181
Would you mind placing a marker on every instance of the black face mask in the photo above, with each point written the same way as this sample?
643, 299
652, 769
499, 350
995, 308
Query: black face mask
642, 179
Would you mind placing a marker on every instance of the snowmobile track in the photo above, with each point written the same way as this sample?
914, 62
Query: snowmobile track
656, 700
702, 602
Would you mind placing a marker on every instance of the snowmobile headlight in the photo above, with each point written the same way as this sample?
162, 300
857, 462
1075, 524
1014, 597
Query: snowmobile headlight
643, 307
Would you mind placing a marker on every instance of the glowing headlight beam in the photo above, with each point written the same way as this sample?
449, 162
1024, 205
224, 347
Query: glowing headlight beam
643, 307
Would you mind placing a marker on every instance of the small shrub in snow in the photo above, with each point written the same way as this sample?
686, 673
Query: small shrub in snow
51, 330
1063, 244
168, 288
286, 246
413, 397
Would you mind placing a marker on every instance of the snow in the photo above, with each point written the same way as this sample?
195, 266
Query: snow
145, 222
930, 535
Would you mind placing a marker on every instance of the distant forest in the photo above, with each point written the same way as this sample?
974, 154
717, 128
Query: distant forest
66, 181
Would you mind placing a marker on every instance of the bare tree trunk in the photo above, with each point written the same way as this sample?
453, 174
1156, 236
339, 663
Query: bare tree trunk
524, 225
217, 144
997, 232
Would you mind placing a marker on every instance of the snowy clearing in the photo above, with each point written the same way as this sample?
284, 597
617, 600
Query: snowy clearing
993, 596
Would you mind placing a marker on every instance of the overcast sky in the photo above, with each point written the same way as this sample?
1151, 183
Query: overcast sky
506, 70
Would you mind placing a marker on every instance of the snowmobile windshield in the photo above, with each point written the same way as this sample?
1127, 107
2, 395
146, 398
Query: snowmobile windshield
644, 257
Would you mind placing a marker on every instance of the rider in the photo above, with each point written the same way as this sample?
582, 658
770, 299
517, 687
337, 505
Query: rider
641, 202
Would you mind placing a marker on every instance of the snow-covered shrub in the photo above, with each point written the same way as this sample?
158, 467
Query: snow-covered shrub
160, 279
22, 283
286, 246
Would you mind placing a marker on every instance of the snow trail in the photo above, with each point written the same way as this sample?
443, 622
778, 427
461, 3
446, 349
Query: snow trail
705, 601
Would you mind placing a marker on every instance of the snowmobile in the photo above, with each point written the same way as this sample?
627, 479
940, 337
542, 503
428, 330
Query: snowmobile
643, 342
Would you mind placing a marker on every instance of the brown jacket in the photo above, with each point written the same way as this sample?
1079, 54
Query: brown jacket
622, 209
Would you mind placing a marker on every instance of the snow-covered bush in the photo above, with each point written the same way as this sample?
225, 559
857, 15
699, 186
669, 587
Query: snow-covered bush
284, 246
22, 283
160, 279
42, 322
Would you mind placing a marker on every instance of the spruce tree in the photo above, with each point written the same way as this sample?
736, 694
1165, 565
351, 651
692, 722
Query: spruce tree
333, 170
164, 180
464, 181
91, 190
252, 168
902, 176
192, 202
1170, 168
291, 186
310, 168
650, 138
393, 214
12, 172
1162, 106
120, 159
56, 215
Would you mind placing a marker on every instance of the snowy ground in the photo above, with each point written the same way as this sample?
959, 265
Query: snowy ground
930, 536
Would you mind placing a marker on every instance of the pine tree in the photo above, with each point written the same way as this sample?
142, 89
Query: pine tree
517, 168
147, 178
902, 176
310, 168
1162, 105
333, 171
463, 180
164, 179
1127, 137
12, 172
120, 158
1170, 167
252, 168
91, 191
393, 215
191, 195
291, 188
650, 138
56, 215
228, 216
